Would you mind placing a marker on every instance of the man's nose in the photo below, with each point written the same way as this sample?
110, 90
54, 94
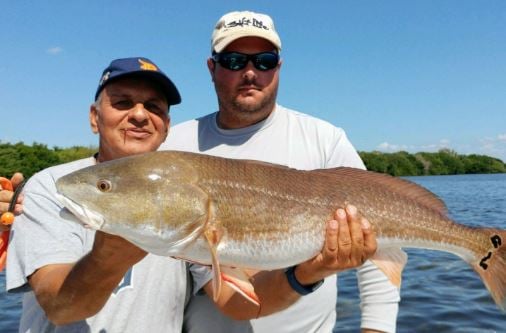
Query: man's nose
249, 73
139, 112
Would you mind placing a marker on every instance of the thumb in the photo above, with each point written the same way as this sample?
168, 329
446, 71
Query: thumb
16, 179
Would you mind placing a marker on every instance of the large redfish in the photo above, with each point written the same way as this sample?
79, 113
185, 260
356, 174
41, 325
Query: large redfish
254, 215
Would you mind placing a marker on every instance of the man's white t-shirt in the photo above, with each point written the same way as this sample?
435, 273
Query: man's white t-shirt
298, 141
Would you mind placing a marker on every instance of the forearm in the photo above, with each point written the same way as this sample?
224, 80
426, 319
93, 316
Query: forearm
272, 289
379, 299
70, 293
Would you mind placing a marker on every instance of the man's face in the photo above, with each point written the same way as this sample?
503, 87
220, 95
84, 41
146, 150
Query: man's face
248, 94
131, 117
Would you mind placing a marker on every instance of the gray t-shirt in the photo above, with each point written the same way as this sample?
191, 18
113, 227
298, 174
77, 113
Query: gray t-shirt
150, 298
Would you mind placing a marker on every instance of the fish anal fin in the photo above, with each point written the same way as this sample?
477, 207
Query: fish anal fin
239, 280
391, 262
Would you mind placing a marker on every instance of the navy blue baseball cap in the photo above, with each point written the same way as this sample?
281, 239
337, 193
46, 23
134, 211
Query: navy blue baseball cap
139, 67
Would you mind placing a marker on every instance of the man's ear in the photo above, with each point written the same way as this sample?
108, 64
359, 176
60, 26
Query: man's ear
94, 118
211, 65
167, 129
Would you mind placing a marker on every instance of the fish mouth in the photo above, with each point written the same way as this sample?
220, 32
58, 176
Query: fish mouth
86, 216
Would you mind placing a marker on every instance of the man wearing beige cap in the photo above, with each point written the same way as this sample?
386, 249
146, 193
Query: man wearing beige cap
249, 124
77, 280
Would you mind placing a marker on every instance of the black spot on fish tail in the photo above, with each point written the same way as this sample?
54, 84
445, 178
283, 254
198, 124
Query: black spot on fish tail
483, 261
496, 241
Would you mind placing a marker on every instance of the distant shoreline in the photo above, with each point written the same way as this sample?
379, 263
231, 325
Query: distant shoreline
29, 159
444, 162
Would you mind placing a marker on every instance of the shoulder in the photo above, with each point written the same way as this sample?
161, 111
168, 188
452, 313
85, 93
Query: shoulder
48, 176
307, 121
184, 136
329, 141
309, 127
193, 124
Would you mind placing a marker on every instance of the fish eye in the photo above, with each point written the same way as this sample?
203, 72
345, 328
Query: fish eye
104, 185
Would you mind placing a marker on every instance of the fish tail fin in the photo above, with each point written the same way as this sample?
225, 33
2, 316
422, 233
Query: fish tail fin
492, 267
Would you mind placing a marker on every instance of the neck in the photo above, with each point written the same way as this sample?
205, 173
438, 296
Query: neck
234, 119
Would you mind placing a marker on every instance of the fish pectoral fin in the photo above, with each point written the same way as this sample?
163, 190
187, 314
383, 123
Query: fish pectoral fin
239, 280
391, 261
213, 237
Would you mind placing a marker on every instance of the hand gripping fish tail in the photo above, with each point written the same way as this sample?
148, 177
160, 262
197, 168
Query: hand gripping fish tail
491, 264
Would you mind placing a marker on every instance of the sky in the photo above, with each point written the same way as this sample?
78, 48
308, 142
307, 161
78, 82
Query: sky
418, 75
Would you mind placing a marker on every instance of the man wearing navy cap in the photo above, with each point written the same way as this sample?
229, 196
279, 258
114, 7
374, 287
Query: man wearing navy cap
79, 280
87, 281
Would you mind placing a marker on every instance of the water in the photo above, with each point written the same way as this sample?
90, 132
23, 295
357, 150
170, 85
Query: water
440, 293
10, 308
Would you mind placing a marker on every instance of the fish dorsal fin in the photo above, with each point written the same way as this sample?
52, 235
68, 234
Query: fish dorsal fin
213, 237
402, 186
391, 262
239, 280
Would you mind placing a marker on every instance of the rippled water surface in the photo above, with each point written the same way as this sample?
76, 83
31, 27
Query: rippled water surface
440, 293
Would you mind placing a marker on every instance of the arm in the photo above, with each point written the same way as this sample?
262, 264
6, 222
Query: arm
349, 242
379, 298
72, 292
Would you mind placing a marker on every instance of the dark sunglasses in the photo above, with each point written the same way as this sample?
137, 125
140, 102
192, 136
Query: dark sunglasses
235, 61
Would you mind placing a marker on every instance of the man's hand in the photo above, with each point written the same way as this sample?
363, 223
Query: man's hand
349, 242
114, 250
6, 197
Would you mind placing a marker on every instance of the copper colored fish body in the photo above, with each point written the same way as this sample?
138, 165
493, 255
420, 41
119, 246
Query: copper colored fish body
254, 215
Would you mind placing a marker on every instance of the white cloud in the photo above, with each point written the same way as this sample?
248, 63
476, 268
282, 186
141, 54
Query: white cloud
432, 147
385, 146
495, 146
54, 50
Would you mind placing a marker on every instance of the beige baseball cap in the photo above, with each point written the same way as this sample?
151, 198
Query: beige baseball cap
235, 25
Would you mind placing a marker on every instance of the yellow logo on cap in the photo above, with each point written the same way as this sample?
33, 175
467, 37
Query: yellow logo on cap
147, 65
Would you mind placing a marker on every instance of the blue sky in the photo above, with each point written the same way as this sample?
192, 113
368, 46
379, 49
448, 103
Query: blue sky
396, 75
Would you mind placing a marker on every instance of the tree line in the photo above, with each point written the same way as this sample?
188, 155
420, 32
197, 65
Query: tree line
444, 162
29, 159
20, 157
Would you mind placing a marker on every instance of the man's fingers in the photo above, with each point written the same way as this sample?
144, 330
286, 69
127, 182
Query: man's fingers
356, 234
344, 239
331, 245
16, 179
5, 199
370, 244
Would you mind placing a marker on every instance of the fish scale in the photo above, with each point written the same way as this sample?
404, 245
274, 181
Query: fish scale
256, 215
